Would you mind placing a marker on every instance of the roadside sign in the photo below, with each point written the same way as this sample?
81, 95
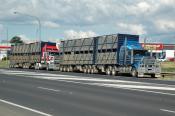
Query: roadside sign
154, 46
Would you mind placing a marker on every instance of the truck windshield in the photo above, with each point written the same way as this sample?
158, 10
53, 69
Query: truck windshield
54, 53
141, 52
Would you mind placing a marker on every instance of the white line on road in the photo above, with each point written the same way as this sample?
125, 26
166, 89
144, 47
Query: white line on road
137, 86
130, 88
77, 78
26, 108
55, 90
170, 111
114, 86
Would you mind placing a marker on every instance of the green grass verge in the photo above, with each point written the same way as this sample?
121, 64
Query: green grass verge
168, 66
4, 64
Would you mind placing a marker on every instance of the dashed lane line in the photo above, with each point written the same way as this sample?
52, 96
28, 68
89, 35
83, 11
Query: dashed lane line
118, 83
49, 89
67, 77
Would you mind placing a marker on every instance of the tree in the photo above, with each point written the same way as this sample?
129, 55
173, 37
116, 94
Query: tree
16, 40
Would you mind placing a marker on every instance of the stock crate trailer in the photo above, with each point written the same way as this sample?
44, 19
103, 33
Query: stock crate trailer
110, 54
38, 55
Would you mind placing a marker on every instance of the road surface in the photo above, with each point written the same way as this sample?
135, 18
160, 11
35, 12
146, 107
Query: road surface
41, 93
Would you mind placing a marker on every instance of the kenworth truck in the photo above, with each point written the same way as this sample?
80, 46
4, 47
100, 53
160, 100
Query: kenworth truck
110, 54
38, 55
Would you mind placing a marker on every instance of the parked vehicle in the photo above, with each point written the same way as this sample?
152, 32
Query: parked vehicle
38, 55
110, 54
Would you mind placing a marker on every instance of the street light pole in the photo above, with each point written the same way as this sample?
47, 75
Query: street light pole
38, 20
7, 42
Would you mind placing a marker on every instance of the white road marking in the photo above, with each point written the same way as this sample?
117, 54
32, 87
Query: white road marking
99, 84
69, 77
148, 91
122, 84
26, 108
138, 86
170, 111
116, 84
49, 89
54, 90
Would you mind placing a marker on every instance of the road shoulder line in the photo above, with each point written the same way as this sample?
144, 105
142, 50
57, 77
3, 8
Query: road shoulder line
170, 111
26, 108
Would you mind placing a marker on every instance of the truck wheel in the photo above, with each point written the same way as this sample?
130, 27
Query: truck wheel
68, 69
88, 70
47, 68
134, 72
114, 72
61, 69
36, 67
92, 71
108, 72
64, 69
153, 76
85, 70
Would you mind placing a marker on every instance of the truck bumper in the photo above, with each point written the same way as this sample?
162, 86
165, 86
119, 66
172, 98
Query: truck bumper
157, 75
54, 66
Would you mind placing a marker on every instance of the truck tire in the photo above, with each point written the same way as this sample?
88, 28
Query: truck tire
68, 69
108, 72
47, 68
89, 70
153, 76
113, 72
92, 71
84, 70
64, 69
36, 67
134, 73
61, 69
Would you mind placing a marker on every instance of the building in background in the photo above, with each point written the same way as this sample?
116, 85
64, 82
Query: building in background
4, 50
163, 52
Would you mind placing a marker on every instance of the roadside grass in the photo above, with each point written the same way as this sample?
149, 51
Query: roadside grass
4, 64
168, 66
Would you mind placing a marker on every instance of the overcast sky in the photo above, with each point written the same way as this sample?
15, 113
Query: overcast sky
66, 19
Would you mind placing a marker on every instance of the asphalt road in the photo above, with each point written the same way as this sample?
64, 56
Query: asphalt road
41, 93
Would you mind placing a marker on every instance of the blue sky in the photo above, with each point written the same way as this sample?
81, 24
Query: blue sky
67, 19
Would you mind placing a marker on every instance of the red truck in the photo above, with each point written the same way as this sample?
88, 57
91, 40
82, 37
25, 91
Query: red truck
38, 55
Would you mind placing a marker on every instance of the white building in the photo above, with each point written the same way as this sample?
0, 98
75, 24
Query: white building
4, 50
161, 51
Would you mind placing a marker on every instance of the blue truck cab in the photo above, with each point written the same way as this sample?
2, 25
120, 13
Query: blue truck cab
137, 60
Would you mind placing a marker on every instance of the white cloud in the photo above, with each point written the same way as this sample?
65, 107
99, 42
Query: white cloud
168, 2
143, 7
71, 34
165, 25
50, 24
132, 28
138, 16
26, 39
57, 40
